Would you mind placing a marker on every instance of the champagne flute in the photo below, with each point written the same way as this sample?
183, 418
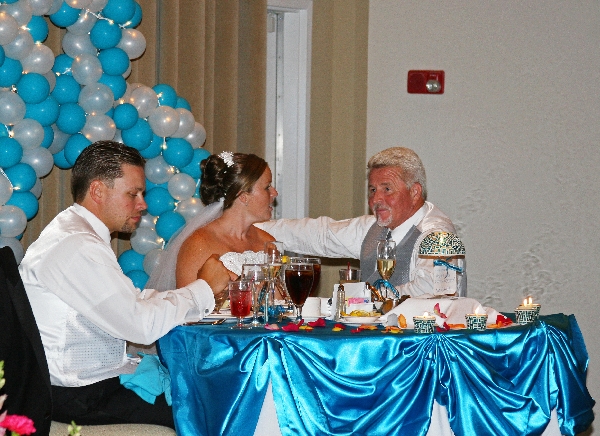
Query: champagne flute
386, 258
240, 301
273, 258
255, 273
299, 279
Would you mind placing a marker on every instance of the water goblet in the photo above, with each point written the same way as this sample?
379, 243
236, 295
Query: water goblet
240, 301
255, 273
299, 279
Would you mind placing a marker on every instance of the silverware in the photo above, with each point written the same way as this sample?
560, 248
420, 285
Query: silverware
215, 322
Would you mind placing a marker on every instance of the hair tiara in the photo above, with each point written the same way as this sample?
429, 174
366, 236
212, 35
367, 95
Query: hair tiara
227, 157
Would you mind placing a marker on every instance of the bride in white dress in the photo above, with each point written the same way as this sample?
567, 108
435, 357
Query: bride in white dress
237, 190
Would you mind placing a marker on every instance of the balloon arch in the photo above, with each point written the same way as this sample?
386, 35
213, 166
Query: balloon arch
51, 108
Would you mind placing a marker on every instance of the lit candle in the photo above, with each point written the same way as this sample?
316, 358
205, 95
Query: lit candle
476, 321
424, 323
528, 311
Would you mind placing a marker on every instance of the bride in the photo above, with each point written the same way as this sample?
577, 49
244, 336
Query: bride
236, 189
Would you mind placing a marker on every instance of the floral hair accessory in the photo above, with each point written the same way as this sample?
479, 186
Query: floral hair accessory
227, 157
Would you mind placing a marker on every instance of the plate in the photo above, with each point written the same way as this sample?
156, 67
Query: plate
361, 320
223, 314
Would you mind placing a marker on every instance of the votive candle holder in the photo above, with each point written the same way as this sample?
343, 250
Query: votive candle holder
424, 324
476, 321
527, 314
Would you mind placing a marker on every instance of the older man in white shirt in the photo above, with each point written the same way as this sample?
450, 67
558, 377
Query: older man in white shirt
397, 194
86, 308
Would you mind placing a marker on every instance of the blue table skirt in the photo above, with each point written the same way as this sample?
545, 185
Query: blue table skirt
497, 382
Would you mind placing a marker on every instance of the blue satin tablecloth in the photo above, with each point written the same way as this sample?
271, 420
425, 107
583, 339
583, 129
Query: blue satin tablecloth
497, 382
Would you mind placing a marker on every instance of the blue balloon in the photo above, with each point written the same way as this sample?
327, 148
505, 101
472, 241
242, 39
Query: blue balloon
60, 161
46, 112
131, 260
139, 136
25, 201
117, 84
114, 61
66, 90
2, 55
71, 118
159, 201
8, 2
183, 103
48, 137
150, 185
136, 19
62, 64
178, 152
154, 148
74, 146
11, 152
166, 95
65, 16
168, 223
22, 177
10, 72
33, 88
193, 168
139, 278
38, 28
125, 116
120, 11
105, 34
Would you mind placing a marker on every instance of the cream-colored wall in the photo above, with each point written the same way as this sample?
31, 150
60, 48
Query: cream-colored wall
511, 148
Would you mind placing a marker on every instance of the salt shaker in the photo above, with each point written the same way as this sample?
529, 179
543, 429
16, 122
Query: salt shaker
340, 308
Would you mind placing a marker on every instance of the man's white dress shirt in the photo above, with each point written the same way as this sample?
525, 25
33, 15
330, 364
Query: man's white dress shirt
86, 308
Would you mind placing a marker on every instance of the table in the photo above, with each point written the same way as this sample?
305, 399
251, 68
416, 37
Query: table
505, 381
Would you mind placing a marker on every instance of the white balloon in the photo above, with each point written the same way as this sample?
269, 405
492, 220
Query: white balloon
55, 6
148, 221
152, 259
12, 108
37, 188
51, 78
20, 11
28, 132
12, 221
75, 45
20, 47
144, 99
78, 4
96, 98
40, 159
181, 186
86, 69
133, 43
84, 23
158, 171
39, 60
9, 28
99, 127
59, 141
144, 240
40, 7
118, 137
164, 121
186, 123
14, 245
197, 137
6, 188
127, 72
189, 208
97, 5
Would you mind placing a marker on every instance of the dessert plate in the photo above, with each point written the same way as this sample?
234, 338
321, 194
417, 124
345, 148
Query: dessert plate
361, 320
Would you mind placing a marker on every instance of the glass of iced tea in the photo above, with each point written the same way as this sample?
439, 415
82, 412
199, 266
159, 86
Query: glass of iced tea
240, 301
299, 279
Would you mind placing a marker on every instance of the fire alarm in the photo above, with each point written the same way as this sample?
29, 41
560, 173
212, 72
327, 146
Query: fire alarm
425, 82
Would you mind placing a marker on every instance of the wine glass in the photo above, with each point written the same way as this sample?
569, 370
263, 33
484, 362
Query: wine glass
316, 263
273, 258
386, 258
299, 279
240, 301
255, 273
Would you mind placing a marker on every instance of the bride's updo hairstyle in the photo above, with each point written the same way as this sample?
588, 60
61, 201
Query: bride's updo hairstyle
227, 175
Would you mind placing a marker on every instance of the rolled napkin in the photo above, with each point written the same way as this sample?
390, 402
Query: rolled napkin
150, 379
450, 310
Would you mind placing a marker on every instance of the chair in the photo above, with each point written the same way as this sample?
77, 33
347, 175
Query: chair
25, 367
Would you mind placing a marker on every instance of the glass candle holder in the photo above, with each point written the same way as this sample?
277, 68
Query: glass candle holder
527, 314
476, 321
424, 324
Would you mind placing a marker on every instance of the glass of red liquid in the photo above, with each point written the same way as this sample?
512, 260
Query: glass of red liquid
299, 279
240, 301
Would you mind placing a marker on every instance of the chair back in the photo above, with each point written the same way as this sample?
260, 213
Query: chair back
25, 367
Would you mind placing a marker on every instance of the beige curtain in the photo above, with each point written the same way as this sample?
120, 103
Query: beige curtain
214, 54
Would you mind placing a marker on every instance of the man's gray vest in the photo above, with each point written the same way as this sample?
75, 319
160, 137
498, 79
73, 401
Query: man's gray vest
404, 251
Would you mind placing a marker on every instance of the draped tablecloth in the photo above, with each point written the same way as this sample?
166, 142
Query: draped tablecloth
498, 382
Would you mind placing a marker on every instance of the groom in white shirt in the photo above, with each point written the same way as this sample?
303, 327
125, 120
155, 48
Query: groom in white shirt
86, 308
397, 194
